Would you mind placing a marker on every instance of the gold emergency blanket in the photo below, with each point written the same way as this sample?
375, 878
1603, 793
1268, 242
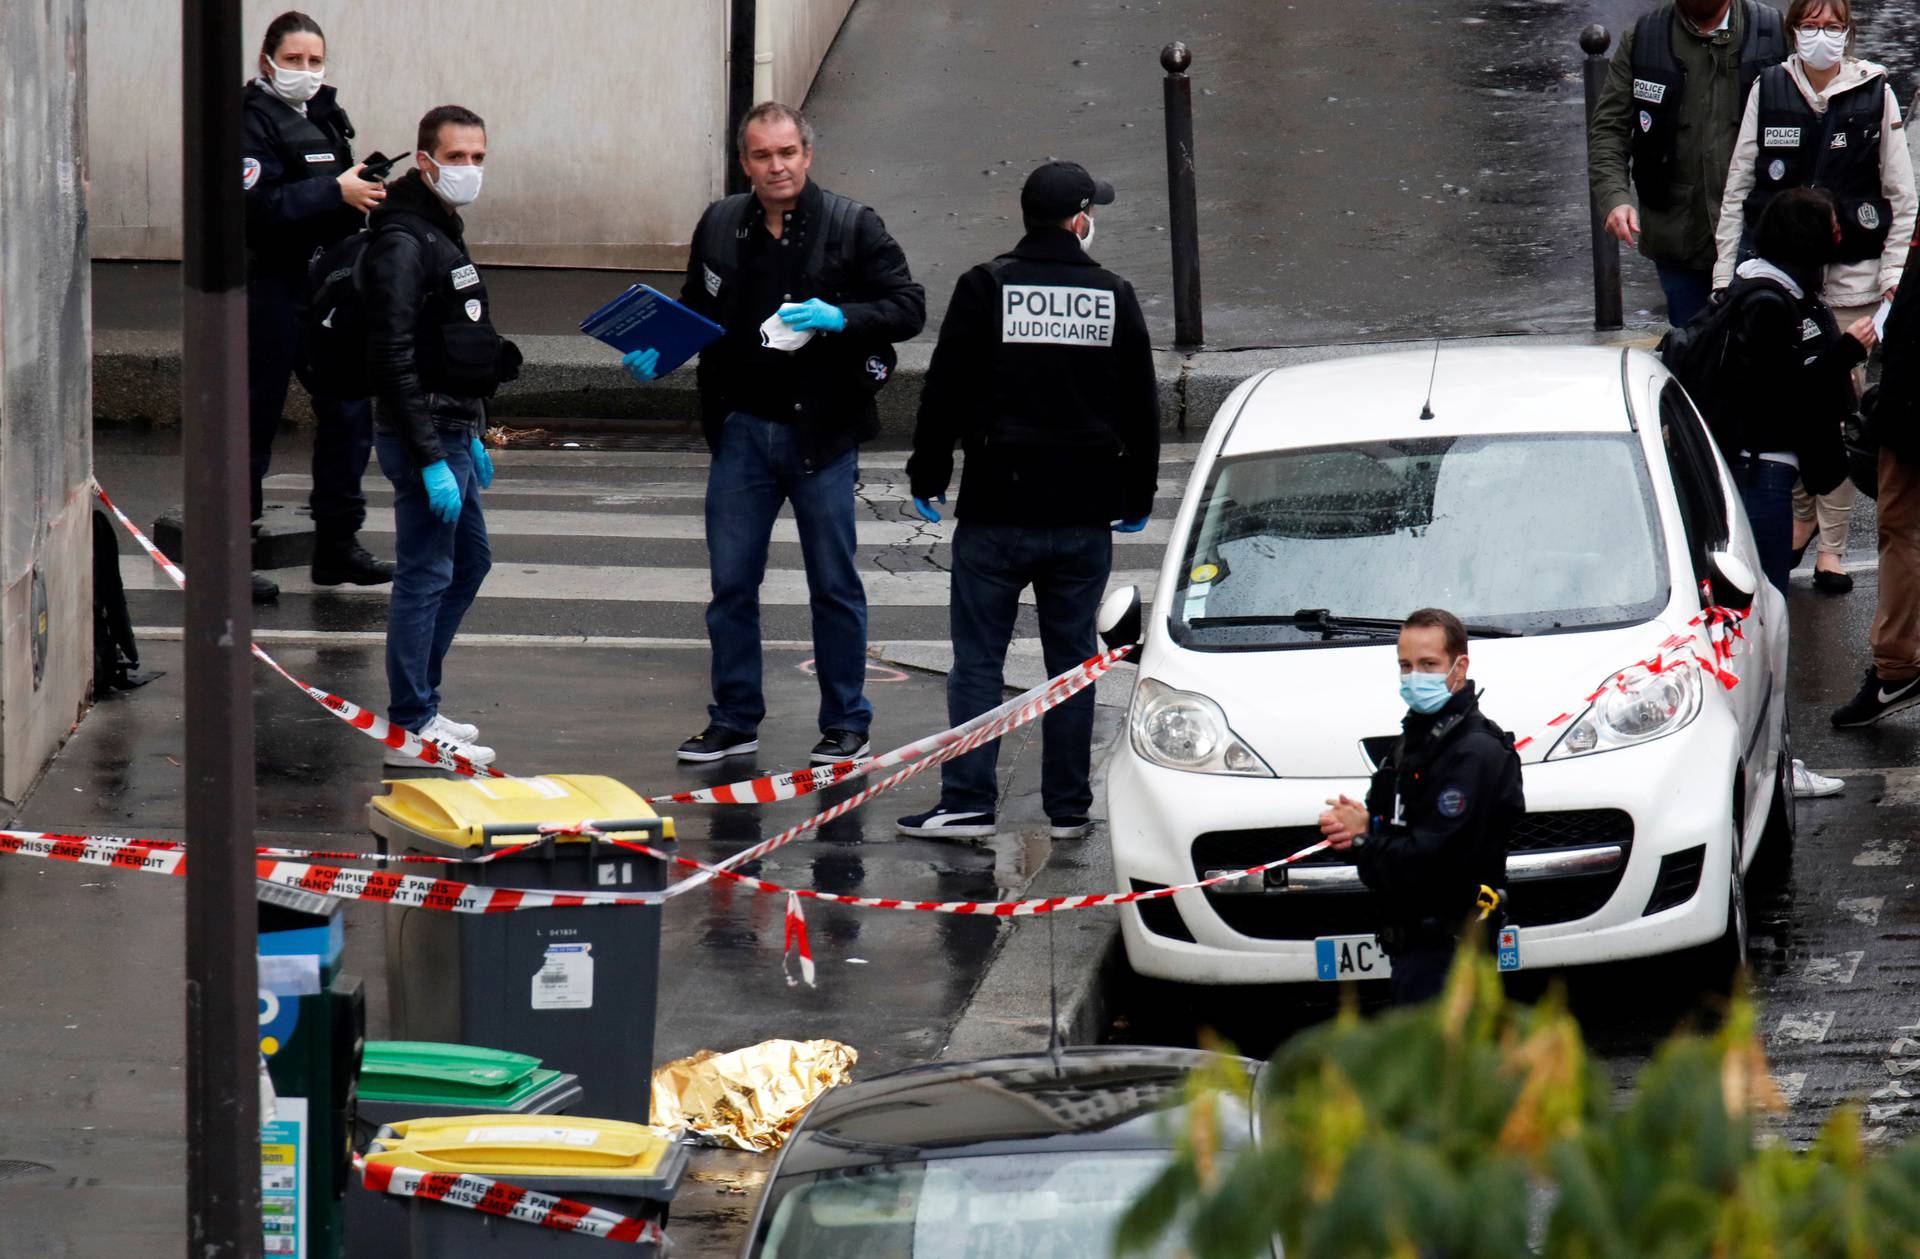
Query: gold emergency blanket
749, 1098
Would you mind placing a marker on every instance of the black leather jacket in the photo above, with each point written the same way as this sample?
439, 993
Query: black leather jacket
850, 262
290, 172
432, 351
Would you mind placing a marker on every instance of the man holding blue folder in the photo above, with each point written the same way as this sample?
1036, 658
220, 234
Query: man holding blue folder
812, 293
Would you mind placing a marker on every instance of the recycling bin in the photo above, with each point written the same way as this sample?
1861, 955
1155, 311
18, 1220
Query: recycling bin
402, 1080
312, 1026
574, 986
621, 1167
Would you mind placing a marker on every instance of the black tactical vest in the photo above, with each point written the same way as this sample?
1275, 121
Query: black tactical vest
315, 145
1838, 151
1660, 85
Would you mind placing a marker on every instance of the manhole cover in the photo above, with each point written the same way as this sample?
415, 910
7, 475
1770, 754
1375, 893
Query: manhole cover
16, 1168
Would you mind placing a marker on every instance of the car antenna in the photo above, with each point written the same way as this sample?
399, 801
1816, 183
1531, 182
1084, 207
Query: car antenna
1426, 408
1053, 1002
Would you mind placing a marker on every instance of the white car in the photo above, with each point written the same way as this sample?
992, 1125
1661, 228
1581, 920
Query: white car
1570, 506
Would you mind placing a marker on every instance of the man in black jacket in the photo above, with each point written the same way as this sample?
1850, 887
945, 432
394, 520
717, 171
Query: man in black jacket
812, 292
1434, 829
1045, 374
434, 359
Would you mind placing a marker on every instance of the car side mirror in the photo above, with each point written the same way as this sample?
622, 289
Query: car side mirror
1119, 619
1732, 584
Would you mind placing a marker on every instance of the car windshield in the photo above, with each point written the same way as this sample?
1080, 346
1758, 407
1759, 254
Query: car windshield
1521, 533
1058, 1205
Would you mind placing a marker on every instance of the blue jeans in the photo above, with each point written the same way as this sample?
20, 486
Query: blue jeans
1766, 490
760, 465
438, 569
1068, 569
1687, 292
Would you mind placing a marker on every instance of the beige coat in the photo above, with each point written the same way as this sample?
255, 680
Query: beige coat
1852, 283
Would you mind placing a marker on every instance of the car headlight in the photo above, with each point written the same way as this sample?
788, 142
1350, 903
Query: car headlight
1641, 710
1187, 731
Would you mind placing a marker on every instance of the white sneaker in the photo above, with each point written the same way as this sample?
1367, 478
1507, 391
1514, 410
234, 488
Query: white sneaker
1808, 785
443, 727
397, 759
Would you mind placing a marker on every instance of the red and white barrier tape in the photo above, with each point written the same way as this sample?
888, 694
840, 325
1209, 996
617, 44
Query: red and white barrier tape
493, 1197
369, 723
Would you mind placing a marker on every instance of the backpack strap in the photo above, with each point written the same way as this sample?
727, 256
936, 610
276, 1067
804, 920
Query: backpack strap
837, 214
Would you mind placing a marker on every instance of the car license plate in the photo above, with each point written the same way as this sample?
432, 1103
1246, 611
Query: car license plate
1350, 957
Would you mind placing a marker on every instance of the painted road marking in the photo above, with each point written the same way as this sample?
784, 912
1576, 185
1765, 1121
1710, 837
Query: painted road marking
657, 527
1805, 1029
1882, 850
1791, 1084
1833, 970
1864, 910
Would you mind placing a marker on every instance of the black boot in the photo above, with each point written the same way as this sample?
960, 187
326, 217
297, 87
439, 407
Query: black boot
343, 561
265, 590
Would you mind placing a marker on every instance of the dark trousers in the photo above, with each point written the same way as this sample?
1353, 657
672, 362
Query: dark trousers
438, 568
1687, 292
1419, 974
758, 466
1068, 569
1766, 490
343, 440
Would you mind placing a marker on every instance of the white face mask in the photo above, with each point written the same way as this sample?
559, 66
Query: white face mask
456, 185
1821, 50
296, 87
1086, 242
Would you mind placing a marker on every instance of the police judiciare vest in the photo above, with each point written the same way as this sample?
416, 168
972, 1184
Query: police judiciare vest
1838, 150
1660, 85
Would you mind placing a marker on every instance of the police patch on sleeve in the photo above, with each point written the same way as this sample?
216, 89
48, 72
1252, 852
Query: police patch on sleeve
1452, 803
1646, 121
473, 309
712, 279
1053, 314
877, 368
249, 172
464, 277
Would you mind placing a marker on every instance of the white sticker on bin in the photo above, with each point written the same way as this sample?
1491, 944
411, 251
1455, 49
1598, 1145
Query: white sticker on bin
565, 978
548, 788
524, 1136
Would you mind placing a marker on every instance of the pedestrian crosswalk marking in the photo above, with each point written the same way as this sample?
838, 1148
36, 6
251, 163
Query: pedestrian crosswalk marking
517, 522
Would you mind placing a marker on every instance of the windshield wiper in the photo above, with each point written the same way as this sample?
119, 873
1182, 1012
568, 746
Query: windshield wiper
1329, 625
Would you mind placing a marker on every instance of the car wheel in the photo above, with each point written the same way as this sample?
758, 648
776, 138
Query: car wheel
1774, 861
1718, 964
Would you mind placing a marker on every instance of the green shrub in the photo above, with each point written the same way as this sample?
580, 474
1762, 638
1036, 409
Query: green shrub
1477, 1128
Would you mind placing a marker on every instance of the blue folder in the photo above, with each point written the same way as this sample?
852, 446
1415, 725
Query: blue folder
644, 318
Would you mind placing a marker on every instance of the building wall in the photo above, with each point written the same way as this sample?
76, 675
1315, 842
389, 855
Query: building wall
802, 31
605, 127
45, 383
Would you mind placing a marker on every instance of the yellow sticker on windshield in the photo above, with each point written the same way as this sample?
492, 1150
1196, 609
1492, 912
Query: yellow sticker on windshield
1205, 572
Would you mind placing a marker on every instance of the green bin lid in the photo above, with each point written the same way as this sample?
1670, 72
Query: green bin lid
440, 1074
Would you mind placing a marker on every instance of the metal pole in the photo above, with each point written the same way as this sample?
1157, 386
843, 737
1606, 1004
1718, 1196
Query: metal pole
740, 54
1608, 309
1182, 195
223, 1029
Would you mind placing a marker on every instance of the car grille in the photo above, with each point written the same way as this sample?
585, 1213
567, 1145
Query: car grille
1303, 915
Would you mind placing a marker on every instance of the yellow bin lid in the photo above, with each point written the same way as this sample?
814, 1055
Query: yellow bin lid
457, 813
526, 1146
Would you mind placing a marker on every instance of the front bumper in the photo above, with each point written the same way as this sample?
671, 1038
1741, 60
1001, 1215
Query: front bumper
1625, 854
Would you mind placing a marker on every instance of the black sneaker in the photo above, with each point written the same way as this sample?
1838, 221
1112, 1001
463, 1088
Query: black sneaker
349, 564
717, 743
1877, 699
265, 589
946, 824
1071, 827
841, 745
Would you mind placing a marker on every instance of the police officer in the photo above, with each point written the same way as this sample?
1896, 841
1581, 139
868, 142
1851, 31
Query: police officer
1668, 116
1044, 375
434, 358
304, 192
1434, 829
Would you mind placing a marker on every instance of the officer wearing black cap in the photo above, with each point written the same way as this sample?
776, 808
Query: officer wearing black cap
1044, 375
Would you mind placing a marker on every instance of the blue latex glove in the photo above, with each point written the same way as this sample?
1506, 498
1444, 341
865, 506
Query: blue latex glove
443, 492
928, 512
482, 464
642, 365
1130, 526
813, 315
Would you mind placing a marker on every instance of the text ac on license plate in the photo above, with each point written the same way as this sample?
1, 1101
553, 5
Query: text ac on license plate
1350, 957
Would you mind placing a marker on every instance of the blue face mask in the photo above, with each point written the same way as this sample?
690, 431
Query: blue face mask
1425, 693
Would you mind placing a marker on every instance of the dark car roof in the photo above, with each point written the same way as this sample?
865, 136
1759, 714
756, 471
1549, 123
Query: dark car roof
1113, 1098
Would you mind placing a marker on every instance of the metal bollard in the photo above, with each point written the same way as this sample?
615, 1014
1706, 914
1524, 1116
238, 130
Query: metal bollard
1608, 309
1182, 196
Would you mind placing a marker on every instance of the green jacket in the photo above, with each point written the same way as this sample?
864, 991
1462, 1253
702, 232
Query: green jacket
1710, 113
